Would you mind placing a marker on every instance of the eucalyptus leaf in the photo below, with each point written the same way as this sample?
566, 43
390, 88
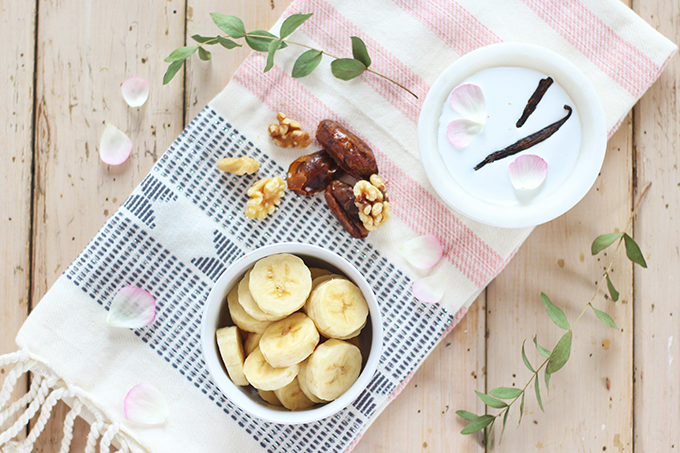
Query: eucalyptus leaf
560, 354
359, 51
489, 436
525, 359
538, 394
273, 47
506, 393
306, 63
541, 350
204, 39
181, 53
292, 23
347, 68
555, 313
172, 70
605, 318
227, 43
480, 423
612, 290
491, 401
505, 421
547, 381
603, 241
259, 40
469, 416
231, 25
633, 251
521, 409
204, 54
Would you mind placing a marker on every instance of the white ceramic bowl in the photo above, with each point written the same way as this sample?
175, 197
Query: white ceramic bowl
541, 209
216, 315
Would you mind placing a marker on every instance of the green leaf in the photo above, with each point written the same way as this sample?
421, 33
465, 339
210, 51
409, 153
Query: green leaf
489, 436
306, 63
490, 401
612, 291
273, 47
633, 251
481, 423
560, 354
541, 350
292, 23
181, 53
469, 416
538, 394
605, 318
506, 393
204, 54
603, 241
547, 381
521, 409
259, 40
525, 359
359, 51
204, 39
172, 70
505, 420
227, 43
347, 68
231, 25
555, 313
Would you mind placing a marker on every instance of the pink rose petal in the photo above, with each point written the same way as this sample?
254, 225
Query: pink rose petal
132, 307
468, 101
461, 132
115, 146
145, 404
135, 91
422, 252
527, 172
429, 289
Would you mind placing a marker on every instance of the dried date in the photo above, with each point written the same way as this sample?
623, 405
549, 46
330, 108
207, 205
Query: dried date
310, 174
340, 199
351, 153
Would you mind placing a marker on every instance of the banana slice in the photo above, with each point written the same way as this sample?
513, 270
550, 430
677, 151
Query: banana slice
241, 317
246, 300
318, 272
280, 284
302, 382
231, 350
338, 308
263, 376
332, 369
292, 397
270, 397
289, 341
252, 342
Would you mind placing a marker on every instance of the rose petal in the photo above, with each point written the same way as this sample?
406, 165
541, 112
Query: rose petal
461, 132
145, 404
422, 252
132, 307
115, 146
527, 172
468, 101
135, 91
429, 289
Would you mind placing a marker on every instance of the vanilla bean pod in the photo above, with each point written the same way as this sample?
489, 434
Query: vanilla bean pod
526, 142
535, 98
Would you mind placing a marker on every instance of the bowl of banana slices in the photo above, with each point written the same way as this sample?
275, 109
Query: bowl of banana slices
291, 333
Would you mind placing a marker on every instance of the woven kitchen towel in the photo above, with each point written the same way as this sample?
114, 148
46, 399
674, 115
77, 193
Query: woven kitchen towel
184, 224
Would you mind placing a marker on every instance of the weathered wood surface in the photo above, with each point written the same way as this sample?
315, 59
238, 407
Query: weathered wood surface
619, 392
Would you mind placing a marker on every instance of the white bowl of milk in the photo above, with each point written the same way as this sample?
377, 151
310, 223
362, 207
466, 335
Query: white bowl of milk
508, 75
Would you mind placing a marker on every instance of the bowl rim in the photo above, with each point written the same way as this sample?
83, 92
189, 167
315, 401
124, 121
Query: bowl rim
217, 297
593, 132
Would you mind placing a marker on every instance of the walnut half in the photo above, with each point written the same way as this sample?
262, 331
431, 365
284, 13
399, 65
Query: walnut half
265, 194
373, 202
238, 165
288, 133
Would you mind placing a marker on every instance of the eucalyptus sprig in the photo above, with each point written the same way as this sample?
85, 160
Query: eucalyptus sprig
503, 398
264, 41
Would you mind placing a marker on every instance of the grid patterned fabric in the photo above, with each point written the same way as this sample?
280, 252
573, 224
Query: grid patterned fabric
129, 250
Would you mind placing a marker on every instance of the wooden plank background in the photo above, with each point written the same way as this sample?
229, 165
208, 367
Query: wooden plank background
62, 66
